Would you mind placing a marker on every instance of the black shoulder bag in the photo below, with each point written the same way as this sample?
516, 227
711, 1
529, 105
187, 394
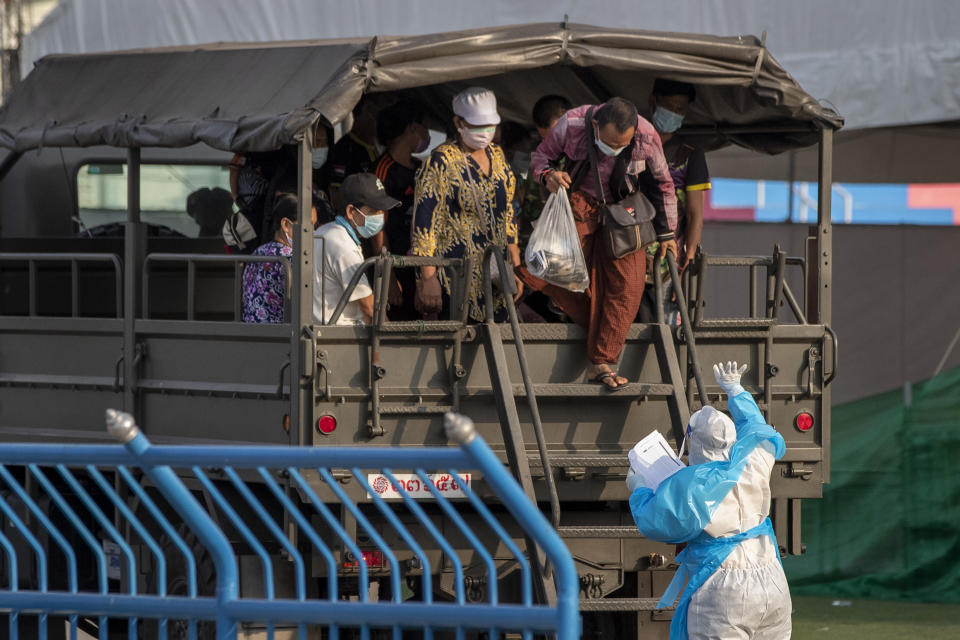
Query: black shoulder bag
627, 225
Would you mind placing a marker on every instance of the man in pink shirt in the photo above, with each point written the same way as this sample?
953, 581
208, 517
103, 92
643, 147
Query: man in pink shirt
630, 158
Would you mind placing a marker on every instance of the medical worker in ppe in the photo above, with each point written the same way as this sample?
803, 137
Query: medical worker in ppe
719, 505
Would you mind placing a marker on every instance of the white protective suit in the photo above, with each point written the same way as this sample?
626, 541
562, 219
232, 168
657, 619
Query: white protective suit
739, 590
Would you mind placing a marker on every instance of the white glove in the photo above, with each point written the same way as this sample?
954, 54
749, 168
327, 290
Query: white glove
634, 481
728, 377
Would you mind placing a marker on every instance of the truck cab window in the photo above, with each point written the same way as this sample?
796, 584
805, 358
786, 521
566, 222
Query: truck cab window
187, 200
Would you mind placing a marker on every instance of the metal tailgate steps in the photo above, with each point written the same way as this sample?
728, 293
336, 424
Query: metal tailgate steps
416, 327
616, 531
632, 390
619, 604
578, 460
741, 324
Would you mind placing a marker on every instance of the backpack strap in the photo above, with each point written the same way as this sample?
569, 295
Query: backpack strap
592, 154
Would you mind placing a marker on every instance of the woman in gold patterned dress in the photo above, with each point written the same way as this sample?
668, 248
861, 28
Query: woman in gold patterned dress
464, 203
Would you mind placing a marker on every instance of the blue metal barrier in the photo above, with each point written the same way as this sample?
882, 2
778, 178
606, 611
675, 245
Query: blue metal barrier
61, 504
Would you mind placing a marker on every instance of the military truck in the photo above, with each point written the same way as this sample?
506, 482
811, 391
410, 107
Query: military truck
109, 299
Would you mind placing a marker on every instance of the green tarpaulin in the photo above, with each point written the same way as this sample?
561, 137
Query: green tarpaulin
888, 525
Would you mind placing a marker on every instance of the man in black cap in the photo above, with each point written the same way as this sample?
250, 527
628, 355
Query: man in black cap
338, 253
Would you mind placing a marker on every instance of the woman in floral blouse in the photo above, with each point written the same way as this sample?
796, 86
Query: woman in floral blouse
265, 283
464, 203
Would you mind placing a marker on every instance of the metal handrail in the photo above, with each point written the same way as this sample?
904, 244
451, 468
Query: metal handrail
229, 607
399, 261
345, 298
191, 260
75, 259
687, 328
508, 287
836, 355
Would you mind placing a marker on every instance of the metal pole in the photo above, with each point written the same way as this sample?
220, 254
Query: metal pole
461, 430
791, 182
824, 228
123, 427
658, 291
302, 356
824, 256
132, 262
946, 354
687, 330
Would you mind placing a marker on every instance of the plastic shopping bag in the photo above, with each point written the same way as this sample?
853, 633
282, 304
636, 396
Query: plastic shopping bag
553, 253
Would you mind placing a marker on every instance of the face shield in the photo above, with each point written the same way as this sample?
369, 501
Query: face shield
711, 434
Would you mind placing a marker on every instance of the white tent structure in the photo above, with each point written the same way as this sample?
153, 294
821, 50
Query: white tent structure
887, 66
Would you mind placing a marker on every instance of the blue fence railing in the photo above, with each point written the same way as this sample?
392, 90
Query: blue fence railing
145, 541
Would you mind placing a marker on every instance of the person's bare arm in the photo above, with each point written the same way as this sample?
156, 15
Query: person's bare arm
554, 180
429, 291
694, 224
366, 308
514, 252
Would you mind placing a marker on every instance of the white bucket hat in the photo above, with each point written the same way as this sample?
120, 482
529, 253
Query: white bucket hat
476, 105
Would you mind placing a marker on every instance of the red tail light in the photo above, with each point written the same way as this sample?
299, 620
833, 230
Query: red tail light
326, 424
803, 421
373, 560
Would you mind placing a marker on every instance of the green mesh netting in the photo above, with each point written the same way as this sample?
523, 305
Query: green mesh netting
888, 525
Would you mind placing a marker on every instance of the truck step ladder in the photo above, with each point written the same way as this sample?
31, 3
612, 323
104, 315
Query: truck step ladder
524, 463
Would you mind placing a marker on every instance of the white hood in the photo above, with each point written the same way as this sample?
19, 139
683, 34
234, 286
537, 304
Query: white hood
711, 435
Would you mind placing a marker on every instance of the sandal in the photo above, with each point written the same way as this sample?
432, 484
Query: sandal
605, 377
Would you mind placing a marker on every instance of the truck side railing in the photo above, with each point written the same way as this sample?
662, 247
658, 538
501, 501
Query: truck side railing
75, 260
778, 288
758, 322
193, 259
383, 266
458, 271
57, 499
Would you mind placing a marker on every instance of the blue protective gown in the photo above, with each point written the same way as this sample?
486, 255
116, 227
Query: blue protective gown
683, 504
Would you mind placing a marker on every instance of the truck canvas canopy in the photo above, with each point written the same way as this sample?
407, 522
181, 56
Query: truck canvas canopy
256, 97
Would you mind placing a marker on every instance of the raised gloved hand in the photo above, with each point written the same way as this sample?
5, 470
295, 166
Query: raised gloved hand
634, 481
728, 377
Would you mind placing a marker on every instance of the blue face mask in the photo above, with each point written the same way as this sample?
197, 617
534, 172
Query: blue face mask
666, 121
372, 225
603, 146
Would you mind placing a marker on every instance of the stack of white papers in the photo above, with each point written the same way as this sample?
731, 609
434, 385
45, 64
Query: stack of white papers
654, 459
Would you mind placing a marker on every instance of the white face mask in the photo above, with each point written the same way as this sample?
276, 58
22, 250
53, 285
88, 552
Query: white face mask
320, 156
666, 121
477, 138
603, 146
372, 224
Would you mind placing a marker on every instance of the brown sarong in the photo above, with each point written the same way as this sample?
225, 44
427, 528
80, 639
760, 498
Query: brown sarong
609, 305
